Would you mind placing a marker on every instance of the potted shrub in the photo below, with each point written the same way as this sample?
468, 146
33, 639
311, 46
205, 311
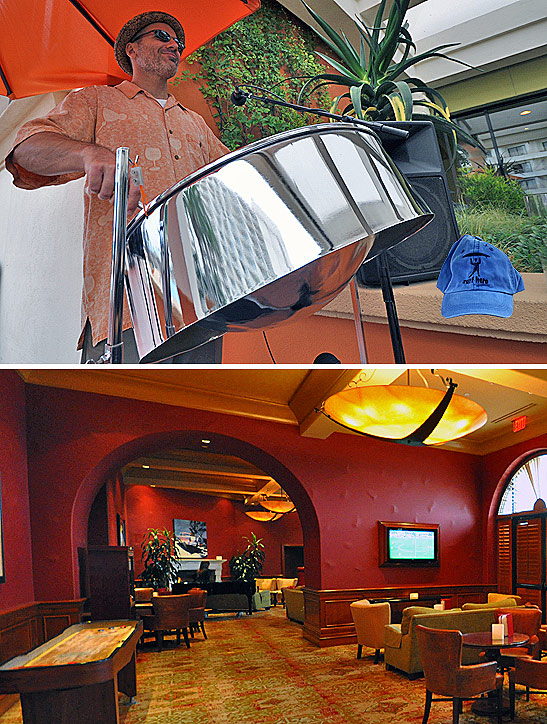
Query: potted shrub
159, 549
247, 565
375, 74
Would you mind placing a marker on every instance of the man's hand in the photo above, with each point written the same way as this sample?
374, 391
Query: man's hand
51, 154
100, 169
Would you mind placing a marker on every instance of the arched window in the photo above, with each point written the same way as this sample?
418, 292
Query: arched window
527, 485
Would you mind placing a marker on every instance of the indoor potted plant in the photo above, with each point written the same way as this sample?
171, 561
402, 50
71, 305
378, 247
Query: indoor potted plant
247, 565
159, 549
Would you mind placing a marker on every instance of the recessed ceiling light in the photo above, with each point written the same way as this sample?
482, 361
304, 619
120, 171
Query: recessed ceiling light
525, 113
146, 466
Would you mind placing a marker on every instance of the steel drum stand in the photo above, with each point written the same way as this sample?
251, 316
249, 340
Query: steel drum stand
113, 349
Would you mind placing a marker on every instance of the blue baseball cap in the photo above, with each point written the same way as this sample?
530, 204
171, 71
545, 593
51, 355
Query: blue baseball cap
478, 278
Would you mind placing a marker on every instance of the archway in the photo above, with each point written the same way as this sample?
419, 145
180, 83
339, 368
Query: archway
192, 440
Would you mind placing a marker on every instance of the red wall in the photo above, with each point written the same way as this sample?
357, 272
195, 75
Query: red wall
342, 485
18, 588
226, 524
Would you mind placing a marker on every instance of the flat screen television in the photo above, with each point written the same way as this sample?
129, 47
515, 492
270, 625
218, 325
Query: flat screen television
408, 544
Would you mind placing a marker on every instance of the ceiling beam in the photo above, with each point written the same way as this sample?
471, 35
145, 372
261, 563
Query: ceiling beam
533, 381
164, 388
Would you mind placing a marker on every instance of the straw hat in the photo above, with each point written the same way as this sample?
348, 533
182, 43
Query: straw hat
132, 28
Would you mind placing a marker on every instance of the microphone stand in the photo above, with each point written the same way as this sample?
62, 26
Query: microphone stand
239, 98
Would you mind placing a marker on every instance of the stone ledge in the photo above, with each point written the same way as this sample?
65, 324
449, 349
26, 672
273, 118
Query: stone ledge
419, 307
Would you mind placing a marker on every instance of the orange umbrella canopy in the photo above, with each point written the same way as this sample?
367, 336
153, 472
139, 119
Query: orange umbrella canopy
49, 45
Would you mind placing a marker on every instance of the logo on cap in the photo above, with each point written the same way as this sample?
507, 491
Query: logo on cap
478, 278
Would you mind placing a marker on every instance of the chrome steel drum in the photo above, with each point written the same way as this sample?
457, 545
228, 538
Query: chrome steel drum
264, 235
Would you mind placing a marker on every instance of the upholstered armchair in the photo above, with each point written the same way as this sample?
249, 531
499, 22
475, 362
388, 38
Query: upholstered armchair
370, 620
196, 611
526, 621
171, 613
441, 652
531, 674
143, 595
278, 585
495, 597
294, 603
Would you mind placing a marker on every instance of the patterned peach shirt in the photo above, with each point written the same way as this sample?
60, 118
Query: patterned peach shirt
171, 142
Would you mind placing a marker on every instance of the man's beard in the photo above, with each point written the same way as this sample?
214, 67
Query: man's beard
161, 66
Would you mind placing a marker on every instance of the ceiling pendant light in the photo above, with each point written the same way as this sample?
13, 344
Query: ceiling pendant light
405, 414
257, 512
278, 503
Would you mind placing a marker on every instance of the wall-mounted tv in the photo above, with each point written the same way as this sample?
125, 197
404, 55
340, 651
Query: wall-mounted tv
408, 544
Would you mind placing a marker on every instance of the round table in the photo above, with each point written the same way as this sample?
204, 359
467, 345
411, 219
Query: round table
486, 706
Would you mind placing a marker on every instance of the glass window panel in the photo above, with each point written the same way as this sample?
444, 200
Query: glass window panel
526, 485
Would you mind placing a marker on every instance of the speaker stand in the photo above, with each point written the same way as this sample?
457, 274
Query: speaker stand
391, 309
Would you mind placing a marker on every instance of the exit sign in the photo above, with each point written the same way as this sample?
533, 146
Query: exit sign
519, 423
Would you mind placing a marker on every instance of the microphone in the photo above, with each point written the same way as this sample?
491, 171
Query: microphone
238, 97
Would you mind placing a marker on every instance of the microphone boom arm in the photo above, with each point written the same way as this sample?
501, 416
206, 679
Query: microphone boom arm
238, 96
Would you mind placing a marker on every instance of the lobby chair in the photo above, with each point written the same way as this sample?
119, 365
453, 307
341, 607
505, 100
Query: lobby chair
495, 597
370, 619
171, 613
143, 595
441, 654
542, 635
531, 674
526, 621
196, 611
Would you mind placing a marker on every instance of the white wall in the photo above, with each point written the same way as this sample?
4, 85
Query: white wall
40, 260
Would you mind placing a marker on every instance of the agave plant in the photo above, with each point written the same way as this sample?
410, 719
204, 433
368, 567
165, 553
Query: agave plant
379, 87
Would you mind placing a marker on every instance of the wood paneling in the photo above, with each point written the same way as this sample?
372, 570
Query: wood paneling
26, 627
328, 620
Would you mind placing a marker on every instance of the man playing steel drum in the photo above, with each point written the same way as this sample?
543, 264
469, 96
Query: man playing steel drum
79, 137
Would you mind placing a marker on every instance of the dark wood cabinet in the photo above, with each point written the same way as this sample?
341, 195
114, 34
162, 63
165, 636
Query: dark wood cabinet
106, 579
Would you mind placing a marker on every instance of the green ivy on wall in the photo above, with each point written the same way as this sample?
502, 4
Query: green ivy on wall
265, 49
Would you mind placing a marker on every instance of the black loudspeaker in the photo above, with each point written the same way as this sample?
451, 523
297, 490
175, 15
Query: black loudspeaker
422, 255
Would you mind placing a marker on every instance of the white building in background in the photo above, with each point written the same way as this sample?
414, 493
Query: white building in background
505, 102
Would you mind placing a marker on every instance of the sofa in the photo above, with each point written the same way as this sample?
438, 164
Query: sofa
275, 586
401, 641
262, 600
294, 603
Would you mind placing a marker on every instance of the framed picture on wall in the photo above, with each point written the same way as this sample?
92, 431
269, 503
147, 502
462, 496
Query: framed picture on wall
191, 536
120, 528
2, 569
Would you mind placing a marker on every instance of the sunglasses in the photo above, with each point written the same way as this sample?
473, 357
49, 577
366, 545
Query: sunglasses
162, 35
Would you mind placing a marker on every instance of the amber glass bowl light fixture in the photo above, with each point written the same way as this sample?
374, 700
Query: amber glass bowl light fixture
257, 512
405, 414
278, 503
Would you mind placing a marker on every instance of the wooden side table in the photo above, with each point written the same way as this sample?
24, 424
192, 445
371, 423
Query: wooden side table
486, 706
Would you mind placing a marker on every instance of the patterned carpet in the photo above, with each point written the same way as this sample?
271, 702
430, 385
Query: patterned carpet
260, 669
